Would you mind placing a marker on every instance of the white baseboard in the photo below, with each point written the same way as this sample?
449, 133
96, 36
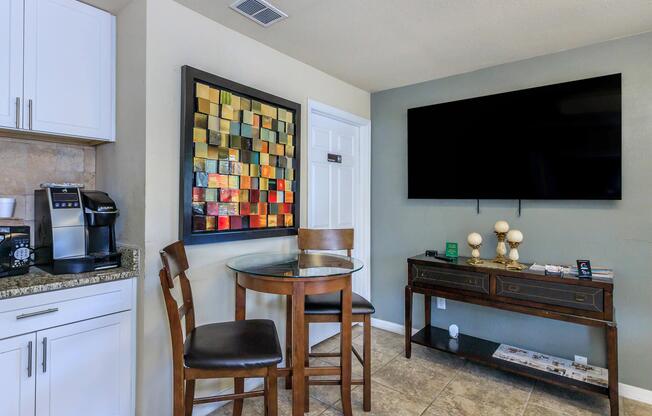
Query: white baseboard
625, 390
635, 393
390, 326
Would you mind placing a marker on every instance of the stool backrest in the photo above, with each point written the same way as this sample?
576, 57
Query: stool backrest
326, 239
175, 264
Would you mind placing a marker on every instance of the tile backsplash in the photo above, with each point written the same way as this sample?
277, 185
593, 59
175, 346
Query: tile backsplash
25, 164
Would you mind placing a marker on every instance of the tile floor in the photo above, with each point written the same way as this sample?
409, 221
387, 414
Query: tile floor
433, 383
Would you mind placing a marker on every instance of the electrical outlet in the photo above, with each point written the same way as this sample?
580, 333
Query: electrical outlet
441, 303
581, 360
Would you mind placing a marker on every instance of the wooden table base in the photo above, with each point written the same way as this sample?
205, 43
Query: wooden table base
295, 290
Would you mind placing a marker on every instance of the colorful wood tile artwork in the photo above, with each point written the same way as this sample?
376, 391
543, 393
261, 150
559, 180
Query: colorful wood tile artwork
243, 163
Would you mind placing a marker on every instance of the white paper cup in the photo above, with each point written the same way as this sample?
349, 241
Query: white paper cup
7, 206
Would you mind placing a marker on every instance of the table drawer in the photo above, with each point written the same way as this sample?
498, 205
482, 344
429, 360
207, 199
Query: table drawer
454, 279
559, 294
45, 310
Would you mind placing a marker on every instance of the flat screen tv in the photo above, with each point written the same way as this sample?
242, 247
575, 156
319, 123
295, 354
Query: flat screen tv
559, 141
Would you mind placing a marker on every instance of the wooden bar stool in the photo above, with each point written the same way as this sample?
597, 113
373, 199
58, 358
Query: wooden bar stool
238, 349
327, 308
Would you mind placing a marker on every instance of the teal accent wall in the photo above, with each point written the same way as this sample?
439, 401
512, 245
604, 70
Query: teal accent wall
617, 234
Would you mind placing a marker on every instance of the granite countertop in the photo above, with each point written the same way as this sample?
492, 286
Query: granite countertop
39, 281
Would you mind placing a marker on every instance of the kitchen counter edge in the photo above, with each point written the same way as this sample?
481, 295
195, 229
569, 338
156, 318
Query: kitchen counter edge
39, 281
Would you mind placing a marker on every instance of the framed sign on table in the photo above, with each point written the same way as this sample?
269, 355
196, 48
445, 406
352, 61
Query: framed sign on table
240, 170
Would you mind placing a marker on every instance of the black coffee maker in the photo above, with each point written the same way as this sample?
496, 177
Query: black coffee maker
100, 213
74, 229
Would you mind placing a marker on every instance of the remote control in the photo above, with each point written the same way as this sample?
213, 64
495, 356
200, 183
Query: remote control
435, 254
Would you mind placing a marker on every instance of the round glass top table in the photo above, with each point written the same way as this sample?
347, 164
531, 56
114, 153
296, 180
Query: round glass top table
296, 275
295, 265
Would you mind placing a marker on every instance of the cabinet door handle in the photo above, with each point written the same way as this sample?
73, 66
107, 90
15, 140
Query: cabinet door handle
29, 106
43, 312
17, 112
513, 288
580, 298
29, 358
45, 354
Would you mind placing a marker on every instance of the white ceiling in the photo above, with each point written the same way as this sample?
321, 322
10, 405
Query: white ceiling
381, 44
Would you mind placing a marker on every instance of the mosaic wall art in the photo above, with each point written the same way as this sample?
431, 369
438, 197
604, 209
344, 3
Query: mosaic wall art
240, 161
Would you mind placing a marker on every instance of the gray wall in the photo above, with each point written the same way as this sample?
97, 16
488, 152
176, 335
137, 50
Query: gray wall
615, 233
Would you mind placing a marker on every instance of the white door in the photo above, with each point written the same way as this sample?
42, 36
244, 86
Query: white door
69, 69
338, 190
17, 375
11, 62
85, 368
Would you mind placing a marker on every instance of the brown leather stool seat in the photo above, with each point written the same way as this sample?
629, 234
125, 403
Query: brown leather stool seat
329, 304
233, 345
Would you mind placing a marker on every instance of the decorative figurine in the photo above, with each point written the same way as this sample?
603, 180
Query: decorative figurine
475, 241
453, 331
500, 229
514, 238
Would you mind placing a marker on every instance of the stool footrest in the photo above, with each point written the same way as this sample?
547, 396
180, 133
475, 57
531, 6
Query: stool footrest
336, 354
324, 354
225, 397
323, 371
333, 382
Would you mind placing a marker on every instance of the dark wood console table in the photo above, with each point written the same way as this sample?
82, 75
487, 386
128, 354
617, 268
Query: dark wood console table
580, 301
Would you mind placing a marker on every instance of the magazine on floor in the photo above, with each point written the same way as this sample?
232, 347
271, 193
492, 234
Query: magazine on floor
561, 366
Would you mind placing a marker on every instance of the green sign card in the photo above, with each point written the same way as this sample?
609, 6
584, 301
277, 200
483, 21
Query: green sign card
451, 249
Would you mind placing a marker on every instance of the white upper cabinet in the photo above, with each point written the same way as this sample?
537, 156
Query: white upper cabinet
68, 68
11, 62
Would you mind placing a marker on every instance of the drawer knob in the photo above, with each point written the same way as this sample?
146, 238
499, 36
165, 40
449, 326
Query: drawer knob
513, 288
580, 298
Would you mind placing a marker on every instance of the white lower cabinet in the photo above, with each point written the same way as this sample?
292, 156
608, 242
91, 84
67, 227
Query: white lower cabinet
78, 368
85, 368
17, 375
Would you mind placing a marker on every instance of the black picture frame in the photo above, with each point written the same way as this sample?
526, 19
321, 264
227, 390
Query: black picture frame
189, 76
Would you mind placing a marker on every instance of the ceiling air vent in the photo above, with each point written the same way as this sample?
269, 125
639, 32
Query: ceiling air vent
259, 11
